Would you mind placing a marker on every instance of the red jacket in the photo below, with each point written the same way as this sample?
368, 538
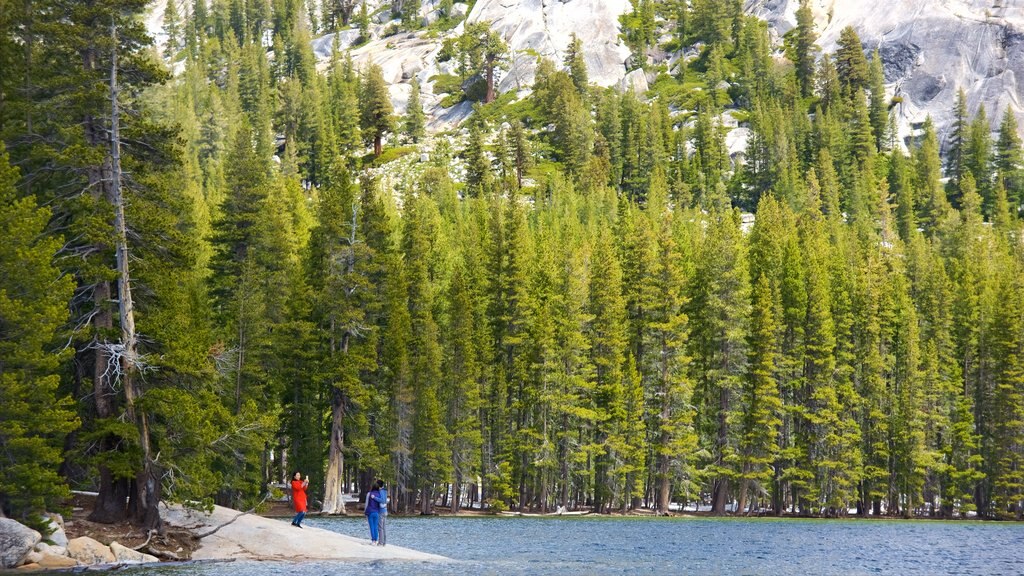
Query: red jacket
299, 495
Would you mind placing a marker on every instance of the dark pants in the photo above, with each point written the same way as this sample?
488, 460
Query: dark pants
298, 518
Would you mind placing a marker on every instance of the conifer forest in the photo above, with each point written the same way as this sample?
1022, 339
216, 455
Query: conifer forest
223, 259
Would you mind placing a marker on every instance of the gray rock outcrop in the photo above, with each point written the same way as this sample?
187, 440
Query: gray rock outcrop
89, 551
930, 49
544, 28
16, 542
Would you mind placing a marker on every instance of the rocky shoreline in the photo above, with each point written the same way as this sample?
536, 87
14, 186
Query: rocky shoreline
25, 549
221, 534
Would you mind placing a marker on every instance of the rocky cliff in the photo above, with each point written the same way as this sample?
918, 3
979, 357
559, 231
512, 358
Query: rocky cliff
930, 49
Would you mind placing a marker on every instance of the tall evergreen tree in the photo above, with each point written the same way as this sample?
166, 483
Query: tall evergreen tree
415, 120
719, 312
32, 311
1009, 161
805, 48
375, 108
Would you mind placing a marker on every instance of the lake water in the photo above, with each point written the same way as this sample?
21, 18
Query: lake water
604, 546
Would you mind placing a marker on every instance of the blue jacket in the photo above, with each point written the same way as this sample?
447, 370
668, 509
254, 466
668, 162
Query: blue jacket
372, 505
382, 500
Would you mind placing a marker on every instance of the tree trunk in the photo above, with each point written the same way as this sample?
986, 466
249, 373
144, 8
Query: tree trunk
112, 496
426, 500
456, 492
721, 485
744, 488
489, 97
334, 484
377, 148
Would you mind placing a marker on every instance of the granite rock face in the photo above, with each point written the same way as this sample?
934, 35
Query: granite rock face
929, 49
16, 542
545, 28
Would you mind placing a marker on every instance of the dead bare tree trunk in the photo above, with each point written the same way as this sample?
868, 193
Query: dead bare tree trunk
334, 485
145, 497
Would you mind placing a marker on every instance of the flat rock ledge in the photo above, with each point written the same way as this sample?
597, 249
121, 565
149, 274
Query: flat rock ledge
250, 537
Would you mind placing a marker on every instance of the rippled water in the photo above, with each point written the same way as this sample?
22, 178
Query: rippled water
602, 546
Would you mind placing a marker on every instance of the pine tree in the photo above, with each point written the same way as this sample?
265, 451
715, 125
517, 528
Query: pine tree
375, 108
607, 355
672, 431
719, 312
805, 48
414, 118
576, 65
478, 164
173, 29
879, 106
851, 65
1009, 162
978, 158
343, 261
935, 206
462, 400
482, 51
1008, 402
902, 189
519, 145
760, 403
429, 438
32, 310
956, 155
95, 64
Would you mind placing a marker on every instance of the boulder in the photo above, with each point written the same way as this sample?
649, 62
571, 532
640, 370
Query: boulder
53, 562
475, 88
56, 518
88, 551
16, 541
459, 11
635, 81
57, 536
430, 18
32, 557
126, 555
45, 548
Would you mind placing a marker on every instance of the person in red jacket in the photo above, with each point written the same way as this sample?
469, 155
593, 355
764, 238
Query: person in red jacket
299, 497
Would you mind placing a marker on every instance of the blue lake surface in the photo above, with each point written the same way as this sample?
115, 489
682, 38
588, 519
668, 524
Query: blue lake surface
604, 546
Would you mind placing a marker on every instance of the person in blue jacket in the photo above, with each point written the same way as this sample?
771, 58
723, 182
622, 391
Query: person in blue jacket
382, 501
372, 512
